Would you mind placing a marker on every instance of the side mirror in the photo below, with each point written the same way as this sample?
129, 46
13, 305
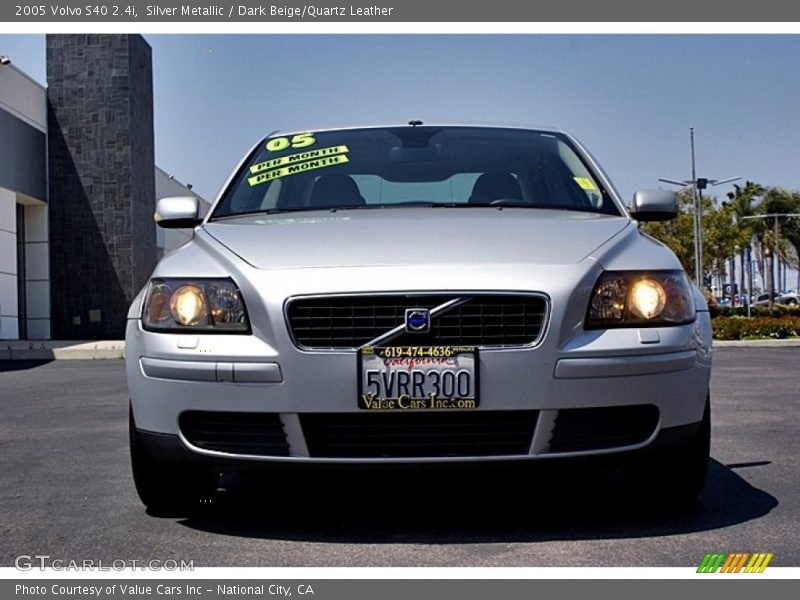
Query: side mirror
178, 212
654, 205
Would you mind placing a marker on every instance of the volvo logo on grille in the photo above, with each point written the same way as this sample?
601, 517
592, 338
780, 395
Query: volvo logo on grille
418, 320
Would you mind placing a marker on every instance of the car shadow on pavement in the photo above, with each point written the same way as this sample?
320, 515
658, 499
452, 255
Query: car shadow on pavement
443, 507
22, 365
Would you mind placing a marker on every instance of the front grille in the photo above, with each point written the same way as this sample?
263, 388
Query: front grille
581, 429
259, 434
334, 322
417, 435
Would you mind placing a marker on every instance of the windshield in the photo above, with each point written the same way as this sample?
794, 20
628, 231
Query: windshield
457, 167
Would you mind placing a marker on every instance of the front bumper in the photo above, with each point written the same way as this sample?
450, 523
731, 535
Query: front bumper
667, 368
171, 449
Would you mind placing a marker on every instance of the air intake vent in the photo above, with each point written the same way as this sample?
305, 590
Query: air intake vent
258, 434
582, 429
407, 435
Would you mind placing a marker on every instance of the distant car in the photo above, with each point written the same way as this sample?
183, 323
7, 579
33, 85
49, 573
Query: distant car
417, 295
789, 299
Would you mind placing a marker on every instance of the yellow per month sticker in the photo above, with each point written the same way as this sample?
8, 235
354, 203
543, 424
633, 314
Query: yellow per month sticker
296, 158
585, 183
301, 167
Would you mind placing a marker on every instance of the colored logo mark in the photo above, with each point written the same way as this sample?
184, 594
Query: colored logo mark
418, 320
734, 562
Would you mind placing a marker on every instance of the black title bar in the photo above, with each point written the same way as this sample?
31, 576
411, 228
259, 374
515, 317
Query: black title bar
466, 11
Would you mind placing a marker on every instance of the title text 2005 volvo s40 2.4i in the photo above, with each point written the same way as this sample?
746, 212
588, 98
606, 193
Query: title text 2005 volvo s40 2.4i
417, 294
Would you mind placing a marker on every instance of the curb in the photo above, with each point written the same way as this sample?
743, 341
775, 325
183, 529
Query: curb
757, 344
62, 350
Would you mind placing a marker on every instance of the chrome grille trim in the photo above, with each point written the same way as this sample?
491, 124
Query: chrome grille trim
400, 329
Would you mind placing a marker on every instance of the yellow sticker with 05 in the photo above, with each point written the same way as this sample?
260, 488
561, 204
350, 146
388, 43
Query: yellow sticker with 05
301, 140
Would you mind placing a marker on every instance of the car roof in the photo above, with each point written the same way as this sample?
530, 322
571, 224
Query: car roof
523, 127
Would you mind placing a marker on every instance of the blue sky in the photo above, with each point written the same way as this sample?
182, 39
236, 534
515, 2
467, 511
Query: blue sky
630, 99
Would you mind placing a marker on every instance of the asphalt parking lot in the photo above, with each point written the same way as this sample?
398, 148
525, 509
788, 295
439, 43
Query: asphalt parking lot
66, 491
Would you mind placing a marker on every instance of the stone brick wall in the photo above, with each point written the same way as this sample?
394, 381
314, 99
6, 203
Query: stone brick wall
101, 180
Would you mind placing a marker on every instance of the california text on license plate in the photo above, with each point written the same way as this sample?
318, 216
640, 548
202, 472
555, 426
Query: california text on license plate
417, 377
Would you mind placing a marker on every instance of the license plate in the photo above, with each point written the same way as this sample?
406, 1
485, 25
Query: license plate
418, 378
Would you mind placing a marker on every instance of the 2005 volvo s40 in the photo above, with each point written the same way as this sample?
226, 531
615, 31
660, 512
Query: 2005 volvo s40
417, 294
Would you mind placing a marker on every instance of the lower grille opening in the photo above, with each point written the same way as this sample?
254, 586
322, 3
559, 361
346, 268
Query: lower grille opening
419, 435
259, 434
581, 429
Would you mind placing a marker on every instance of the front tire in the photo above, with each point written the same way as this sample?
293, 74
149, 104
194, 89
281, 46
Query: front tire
166, 488
675, 479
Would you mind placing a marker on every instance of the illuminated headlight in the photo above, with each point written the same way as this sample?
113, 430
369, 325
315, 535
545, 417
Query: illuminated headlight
640, 299
209, 305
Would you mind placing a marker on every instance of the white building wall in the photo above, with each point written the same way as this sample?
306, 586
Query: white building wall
8, 266
37, 267
37, 271
26, 101
23, 97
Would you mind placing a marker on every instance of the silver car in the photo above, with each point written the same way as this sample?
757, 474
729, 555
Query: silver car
417, 294
787, 298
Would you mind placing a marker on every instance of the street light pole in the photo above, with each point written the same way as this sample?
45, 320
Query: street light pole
749, 277
698, 185
697, 197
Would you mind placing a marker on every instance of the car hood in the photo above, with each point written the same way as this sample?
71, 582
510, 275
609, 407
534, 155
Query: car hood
411, 236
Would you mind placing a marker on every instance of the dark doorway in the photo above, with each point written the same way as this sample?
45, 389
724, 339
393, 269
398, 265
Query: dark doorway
22, 296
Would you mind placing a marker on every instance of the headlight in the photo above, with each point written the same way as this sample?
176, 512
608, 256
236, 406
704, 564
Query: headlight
640, 299
188, 306
207, 305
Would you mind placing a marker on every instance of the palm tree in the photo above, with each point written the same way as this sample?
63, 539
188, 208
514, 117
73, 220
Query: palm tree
741, 201
781, 201
791, 233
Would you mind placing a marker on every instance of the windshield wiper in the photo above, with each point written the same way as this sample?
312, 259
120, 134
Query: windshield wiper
267, 211
514, 203
503, 202
409, 204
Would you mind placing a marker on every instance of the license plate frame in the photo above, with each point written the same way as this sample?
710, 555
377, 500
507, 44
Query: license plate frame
387, 362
